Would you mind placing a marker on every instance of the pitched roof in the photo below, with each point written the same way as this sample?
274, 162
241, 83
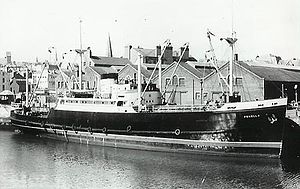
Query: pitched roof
186, 66
109, 61
69, 73
103, 70
204, 71
192, 69
273, 73
144, 71
203, 67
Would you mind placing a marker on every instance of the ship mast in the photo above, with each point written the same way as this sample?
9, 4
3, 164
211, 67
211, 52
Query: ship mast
231, 72
80, 52
160, 70
214, 62
80, 65
231, 41
139, 82
27, 88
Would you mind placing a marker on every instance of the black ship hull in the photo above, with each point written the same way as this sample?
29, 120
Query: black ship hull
245, 125
254, 125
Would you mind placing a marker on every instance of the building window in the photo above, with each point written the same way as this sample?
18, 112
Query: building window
197, 95
222, 82
181, 82
135, 77
127, 79
175, 80
3, 87
228, 79
58, 84
239, 81
167, 81
3, 80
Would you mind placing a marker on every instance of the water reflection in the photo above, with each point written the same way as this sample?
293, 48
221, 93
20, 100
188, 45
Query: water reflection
291, 173
31, 162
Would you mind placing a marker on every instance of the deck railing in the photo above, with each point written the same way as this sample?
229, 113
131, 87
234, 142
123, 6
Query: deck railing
180, 108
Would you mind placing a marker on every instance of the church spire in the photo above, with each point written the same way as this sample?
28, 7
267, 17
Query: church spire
109, 49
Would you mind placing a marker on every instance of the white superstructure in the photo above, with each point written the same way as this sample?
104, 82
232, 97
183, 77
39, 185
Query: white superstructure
94, 105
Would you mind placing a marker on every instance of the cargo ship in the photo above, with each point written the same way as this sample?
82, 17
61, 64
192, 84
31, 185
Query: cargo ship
257, 125
128, 120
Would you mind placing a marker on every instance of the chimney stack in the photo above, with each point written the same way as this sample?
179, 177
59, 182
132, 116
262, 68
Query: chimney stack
109, 48
89, 52
186, 55
158, 51
236, 57
127, 52
8, 57
168, 55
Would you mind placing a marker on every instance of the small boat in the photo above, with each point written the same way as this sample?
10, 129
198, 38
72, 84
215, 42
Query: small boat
7, 104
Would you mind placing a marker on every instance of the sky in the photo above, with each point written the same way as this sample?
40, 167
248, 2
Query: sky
29, 28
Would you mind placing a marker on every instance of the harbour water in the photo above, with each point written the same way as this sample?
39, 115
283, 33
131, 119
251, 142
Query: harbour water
32, 162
